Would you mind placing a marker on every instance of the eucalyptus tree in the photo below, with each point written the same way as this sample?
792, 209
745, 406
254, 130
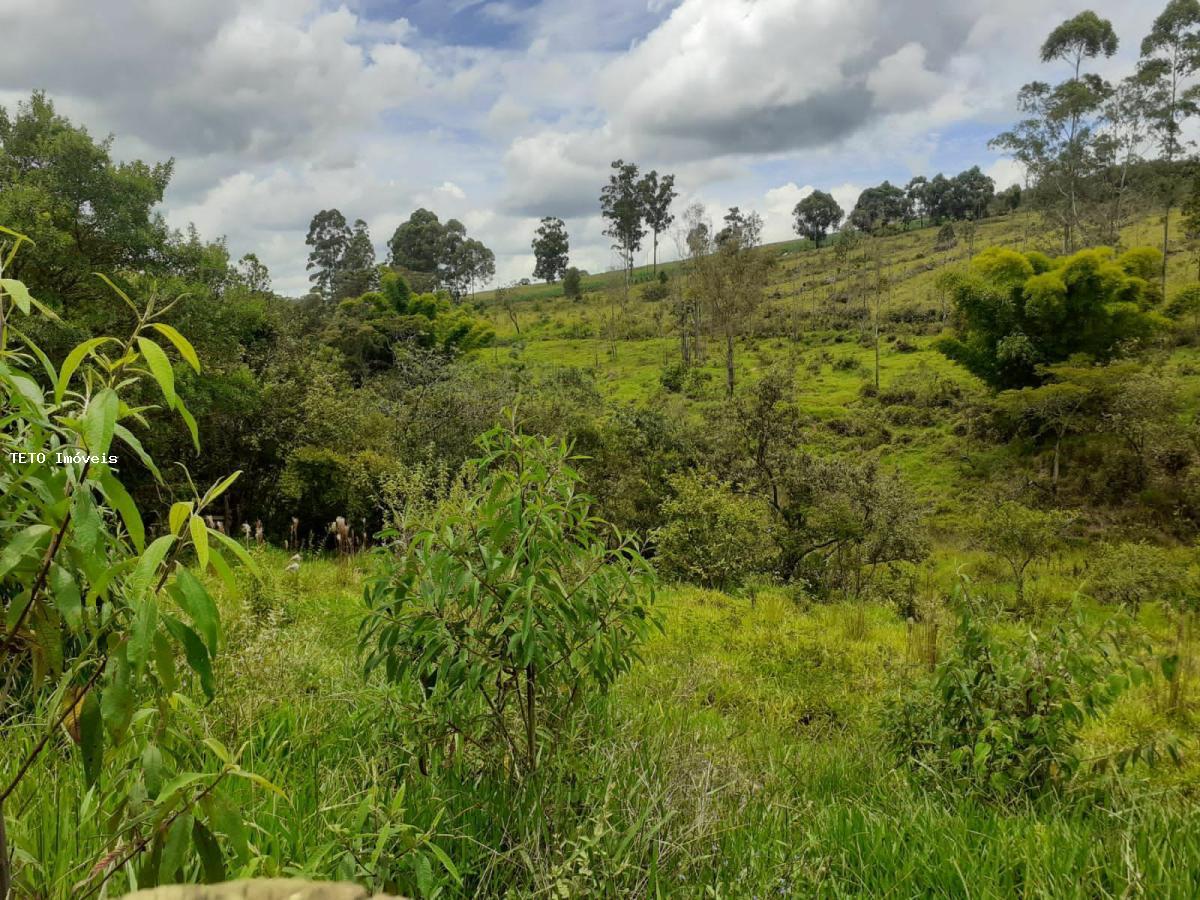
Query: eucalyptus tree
550, 249
657, 196
1170, 56
1056, 139
816, 215
622, 204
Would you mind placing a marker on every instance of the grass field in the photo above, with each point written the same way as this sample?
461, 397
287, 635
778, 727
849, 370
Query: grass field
744, 757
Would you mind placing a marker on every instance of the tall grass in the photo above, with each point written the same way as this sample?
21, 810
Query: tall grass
741, 758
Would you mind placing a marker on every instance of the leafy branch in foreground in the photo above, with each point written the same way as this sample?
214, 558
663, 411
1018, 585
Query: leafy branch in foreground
94, 618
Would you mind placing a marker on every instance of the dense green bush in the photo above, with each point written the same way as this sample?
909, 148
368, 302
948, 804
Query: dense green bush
1005, 717
1013, 315
711, 535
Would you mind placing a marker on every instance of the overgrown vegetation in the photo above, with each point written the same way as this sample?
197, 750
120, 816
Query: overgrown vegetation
863, 564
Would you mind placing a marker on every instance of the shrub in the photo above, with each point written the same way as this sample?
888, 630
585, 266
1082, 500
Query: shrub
712, 536
572, 283
1134, 573
1004, 717
510, 609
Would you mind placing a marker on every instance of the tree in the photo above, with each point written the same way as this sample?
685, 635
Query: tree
970, 193
1020, 536
917, 193
477, 263
512, 608
878, 207
356, 272
254, 274
815, 215
657, 195
622, 205
550, 248
417, 244
571, 283
1056, 139
730, 278
328, 236
81, 211
1017, 311
1191, 219
1170, 54
711, 535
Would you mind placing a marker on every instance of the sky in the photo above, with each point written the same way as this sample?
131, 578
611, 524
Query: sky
499, 112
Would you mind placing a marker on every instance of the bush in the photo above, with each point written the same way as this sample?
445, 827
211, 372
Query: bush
712, 536
513, 605
572, 283
1131, 574
1004, 717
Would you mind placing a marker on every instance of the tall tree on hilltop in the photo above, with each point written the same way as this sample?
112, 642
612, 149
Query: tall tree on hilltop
816, 215
550, 247
622, 204
1170, 55
328, 236
917, 192
657, 195
357, 274
1055, 141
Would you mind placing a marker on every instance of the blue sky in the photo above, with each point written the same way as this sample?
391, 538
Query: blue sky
497, 112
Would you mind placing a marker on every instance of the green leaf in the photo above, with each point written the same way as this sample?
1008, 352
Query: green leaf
194, 600
72, 362
164, 662
120, 293
19, 293
181, 344
147, 568
136, 446
224, 572
68, 599
85, 521
91, 738
180, 510
218, 489
174, 848
210, 853
26, 543
444, 859
160, 368
99, 421
116, 700
195, 652
239, 551
120, 500
141, 634
190, 421
200, 540
152, 769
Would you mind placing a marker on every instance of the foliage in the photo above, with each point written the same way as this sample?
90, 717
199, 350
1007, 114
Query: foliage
815, 215
1013, 318
94, 617
572, 283
1020, 536
622, 204
509, 608
550, 248
1131, 574
1005, 717
711, 535
657, 196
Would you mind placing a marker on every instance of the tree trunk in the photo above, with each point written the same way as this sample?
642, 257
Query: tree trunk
729, 361
1166, 243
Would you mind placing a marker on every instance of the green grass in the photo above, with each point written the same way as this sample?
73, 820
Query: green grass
742, 757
